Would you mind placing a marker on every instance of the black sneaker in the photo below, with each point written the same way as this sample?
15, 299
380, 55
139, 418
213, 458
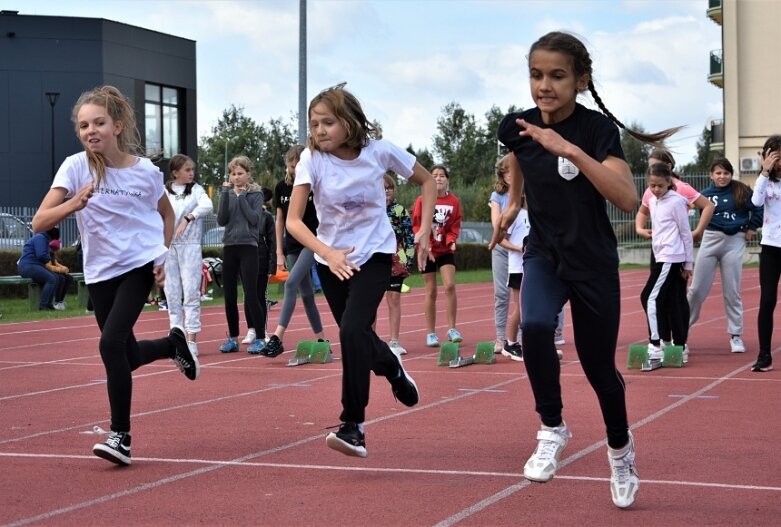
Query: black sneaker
348, 440
184, 359
116, 448
764, 362
273, 347
404, 388
513, 351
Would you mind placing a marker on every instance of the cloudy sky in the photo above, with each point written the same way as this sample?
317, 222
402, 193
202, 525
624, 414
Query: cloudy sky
407, 59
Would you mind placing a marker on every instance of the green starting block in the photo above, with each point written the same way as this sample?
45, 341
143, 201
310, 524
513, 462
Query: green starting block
672, 357
311, 352
450, 355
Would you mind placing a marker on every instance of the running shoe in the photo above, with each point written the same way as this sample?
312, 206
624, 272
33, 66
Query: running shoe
513, 351
273, 347
396, 348
655, 352
558, 338
551, 442
403, 386
453, 335
349, 440
432, 341
229, 346
764, 362
257, 347
186, 362
116, 448
624, 482
250, 338
499, 345
736, 344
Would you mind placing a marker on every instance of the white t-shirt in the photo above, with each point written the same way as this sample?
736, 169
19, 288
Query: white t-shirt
349, 197
120, 227
515, 235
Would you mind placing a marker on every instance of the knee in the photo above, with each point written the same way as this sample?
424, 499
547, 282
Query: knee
450, 289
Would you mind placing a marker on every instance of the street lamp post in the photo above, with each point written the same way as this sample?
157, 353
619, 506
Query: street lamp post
228, 140
52, 96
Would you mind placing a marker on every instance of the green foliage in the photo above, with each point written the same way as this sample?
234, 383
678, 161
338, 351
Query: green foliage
635, 151
705, 156
236, 134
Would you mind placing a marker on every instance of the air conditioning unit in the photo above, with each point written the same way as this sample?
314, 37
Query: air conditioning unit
750, 164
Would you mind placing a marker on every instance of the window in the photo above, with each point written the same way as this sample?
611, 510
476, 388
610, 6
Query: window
163, 124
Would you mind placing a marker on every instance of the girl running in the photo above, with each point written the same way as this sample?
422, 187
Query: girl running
568, 160
126, 225
344, 166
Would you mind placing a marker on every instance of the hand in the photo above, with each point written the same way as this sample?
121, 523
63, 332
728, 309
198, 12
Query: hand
159, 272
180, 229
686, 274
507, 219
549, 139
750, 235
423, 248
82, 197
338, 263
227, 184
644, 233
696, 235
769, 160
452, 246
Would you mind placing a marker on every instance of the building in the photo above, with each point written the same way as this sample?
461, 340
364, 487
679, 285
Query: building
46, 62
746, 70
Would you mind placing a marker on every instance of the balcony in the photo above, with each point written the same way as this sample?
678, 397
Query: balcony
716, 135
716, 76
714, 10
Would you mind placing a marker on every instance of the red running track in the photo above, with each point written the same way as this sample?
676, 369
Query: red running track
244, 445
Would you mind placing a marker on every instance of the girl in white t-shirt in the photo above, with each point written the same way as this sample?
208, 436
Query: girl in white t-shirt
126, 223
344, 166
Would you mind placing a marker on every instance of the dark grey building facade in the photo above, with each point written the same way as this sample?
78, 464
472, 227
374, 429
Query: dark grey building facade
46, 62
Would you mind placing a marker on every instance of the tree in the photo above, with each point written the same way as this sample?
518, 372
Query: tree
635, 151
236, 134
705, 155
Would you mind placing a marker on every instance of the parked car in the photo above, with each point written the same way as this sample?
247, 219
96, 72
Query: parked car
213, 237
471, 236
14, 233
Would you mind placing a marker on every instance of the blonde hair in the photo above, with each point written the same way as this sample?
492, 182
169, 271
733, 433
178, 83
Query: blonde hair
241, 162
389, 179
500, 185
293, 154
121, 111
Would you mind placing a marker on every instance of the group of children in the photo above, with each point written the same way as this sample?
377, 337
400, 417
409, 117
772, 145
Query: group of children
565, 161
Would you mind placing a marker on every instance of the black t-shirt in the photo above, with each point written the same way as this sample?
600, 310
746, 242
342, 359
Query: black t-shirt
568, 216
282, 194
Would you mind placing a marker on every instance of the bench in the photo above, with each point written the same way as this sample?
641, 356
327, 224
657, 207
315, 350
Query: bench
34, 290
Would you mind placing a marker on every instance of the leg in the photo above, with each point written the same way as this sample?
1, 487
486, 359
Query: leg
731, 273
430, 301
704, 271
448, 274
43, 277
678, 307
230, 284
501, 291
393, 299
248, 269
769, 273
173, 285
307, 260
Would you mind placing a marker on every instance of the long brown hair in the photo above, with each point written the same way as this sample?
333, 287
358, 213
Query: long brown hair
741, 192
120, 110
346, 107
174, 165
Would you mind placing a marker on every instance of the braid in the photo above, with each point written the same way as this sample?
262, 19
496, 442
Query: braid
655, 139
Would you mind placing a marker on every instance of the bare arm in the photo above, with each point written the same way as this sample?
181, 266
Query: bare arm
279, 229
54, 208
641, 221
513, 206
167, 212
612, 177
428, 191
707, 208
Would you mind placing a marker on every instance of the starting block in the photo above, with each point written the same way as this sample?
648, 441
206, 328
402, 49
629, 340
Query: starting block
638, 358
311, 352
450, 355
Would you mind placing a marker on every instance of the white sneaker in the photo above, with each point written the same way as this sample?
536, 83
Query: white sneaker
453, 335
685, 353
432, 341
559, 354
250, 338
735, 343
193, 347
558, 339
59, 306
655, 352
498, 345
396, 348
542, 464
624, 482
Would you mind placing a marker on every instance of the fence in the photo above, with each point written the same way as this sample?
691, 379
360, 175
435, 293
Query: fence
623, 223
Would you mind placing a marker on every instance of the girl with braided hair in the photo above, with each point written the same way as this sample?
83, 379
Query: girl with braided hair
568, 160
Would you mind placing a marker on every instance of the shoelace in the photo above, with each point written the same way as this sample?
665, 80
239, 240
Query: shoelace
622, 469
114, 438
547, 449
181, 362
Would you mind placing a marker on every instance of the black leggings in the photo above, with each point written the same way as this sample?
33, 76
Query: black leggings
664, 301
596, 309
118, 303
769, 274
241, 261
260, 325
354, 304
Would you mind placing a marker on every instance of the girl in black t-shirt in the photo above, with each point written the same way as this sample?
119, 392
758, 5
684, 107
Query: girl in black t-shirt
568, 161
